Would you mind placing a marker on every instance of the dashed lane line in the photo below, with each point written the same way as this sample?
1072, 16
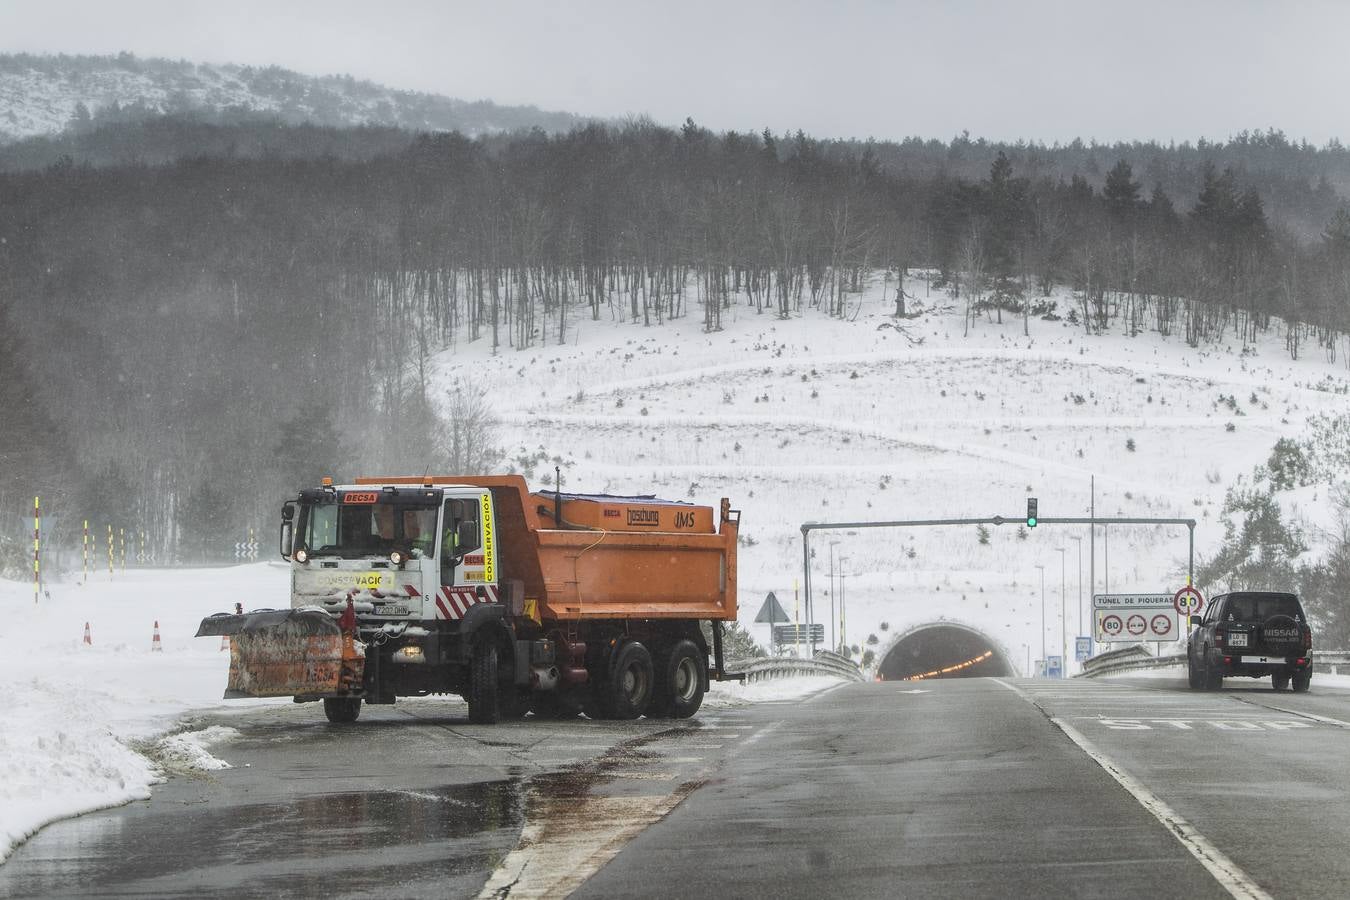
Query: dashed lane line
1226, 872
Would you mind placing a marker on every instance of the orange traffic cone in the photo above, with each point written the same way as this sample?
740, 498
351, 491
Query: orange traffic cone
155, 645
87, 639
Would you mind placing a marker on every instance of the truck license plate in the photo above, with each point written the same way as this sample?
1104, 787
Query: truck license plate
394, 609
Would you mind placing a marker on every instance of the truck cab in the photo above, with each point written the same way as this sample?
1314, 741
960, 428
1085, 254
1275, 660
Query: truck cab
400, 554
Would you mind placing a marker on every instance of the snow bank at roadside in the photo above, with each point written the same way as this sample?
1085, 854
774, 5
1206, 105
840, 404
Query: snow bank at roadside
77, 716
725, 694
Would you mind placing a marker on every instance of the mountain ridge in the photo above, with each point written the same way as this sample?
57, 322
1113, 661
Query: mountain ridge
44, 95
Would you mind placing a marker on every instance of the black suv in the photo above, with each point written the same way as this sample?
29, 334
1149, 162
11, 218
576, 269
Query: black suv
1254, 634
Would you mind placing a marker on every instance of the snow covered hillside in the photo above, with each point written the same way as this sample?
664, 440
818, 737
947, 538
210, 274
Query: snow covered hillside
42, 95
870, 418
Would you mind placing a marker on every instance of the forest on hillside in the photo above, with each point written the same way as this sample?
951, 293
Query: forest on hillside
190, 341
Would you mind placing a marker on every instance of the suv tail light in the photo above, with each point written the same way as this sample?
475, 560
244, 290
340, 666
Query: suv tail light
1220, 637
1307, 638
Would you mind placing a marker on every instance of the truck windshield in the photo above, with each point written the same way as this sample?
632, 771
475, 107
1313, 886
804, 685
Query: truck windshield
353, 530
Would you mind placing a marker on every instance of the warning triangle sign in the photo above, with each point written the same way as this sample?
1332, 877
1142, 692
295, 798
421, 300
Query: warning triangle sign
771, 612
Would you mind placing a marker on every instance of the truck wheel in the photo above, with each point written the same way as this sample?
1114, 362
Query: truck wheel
680, 682
1302, 679
483, 706
341, 710
627, 691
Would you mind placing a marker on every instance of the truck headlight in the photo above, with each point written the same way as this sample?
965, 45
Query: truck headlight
409, 654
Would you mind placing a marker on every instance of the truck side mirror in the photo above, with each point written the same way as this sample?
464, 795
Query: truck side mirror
466, 535
287, 530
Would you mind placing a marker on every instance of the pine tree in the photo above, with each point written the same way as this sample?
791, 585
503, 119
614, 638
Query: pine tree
1121, 193
1007, 215
1217, 202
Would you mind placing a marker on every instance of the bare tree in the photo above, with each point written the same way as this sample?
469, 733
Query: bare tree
469, 431
972, 277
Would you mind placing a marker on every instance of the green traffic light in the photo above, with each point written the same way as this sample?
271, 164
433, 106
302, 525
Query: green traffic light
1031, 512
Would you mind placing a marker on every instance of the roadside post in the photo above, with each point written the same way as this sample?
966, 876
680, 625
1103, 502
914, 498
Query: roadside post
1187, 602
37, 542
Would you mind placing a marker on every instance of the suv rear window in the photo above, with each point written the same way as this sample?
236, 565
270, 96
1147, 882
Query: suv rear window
1260, 607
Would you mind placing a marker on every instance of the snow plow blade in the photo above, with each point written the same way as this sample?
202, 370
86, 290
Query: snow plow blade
287, 653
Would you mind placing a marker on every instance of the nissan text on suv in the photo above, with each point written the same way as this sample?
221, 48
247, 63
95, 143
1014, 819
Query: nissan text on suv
1253, 634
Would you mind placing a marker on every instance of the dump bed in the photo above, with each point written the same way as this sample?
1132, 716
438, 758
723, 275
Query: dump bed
586, 556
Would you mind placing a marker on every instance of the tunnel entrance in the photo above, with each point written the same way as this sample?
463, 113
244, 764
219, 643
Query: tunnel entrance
943, 651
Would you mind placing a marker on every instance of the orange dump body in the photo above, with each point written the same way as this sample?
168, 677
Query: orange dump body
613, 557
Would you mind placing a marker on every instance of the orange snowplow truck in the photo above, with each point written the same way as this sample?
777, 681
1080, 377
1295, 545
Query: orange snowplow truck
518, 601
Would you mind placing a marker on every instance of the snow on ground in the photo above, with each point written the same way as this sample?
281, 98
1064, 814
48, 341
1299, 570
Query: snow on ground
805, 419
81, 727
724, 694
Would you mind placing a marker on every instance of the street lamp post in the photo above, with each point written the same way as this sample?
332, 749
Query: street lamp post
1045, 664
1079, 541
833, 644
843, 635
1063, 628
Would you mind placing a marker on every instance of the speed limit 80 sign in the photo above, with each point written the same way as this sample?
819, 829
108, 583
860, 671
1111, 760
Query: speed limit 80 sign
1188, 601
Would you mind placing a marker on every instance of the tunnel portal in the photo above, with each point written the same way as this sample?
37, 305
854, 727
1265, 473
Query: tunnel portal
943, 650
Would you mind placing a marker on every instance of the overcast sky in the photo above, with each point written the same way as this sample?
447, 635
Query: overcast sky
1048, 70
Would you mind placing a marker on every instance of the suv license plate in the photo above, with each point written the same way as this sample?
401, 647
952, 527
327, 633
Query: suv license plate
1237, 640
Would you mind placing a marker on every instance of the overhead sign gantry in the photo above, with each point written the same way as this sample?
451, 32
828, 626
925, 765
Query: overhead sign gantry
1031, 520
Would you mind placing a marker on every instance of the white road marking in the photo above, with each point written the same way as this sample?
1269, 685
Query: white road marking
704, 728
759, 735
568, 748
570, 839
1191, 723
1325, 720
829, 690
1224, 870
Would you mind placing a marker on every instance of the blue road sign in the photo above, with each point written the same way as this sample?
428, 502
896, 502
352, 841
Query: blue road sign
1082, 648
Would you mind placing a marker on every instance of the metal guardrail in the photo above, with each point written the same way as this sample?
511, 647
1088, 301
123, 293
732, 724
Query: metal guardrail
1136, 657
764, 668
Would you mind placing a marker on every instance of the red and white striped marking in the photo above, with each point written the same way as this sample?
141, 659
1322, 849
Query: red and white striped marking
454, 602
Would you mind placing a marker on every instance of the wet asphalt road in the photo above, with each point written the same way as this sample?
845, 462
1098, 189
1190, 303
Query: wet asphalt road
951, 788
